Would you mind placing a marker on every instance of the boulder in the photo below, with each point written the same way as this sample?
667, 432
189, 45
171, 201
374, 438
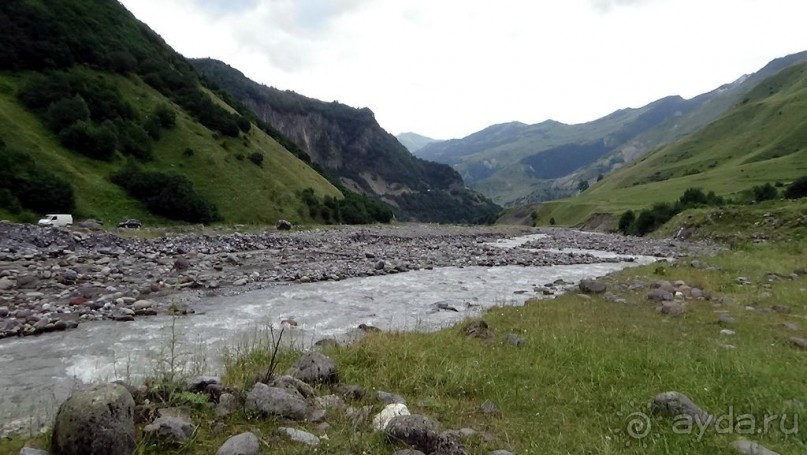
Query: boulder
382, 419
172, 429
797, 342
408, 452
277, 401
660, 295
449, 443
515, 340
292, 383
242, 444
283, 225
751, 448
300, 436
390, 398
676, 404
673, 308
97, 420
314, 368
590, 286
415, 430
228, 404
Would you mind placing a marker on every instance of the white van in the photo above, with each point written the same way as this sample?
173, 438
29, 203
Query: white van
57, 220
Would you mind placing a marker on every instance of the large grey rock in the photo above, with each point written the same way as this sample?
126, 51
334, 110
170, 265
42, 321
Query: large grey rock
292, 383
32, 451
300, 436
6, 284
414, 430
592, 286
228, 404
95, 421
660, 295
408, 452
277, 401
390, 398
383, 418
449, 443
242, 444
751, 448
676, 404
173, 429
313, 368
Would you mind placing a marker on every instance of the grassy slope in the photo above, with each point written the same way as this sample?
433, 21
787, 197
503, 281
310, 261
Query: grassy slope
243, 192
762, 140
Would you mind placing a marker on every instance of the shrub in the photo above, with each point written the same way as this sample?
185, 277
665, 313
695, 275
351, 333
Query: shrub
24, 185
256, 157
626, 222
765, 192
168, 195
135, 141
552, 221
797, 189
166, 115
95, 142
66, 112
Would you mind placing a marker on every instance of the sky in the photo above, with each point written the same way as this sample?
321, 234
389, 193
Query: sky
448, 68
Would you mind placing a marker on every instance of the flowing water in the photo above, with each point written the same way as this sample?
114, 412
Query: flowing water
40, 372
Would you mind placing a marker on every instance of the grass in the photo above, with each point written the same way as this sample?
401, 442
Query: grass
587, 366
759, 141
243, 191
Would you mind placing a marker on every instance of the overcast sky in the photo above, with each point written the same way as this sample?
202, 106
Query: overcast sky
448, 68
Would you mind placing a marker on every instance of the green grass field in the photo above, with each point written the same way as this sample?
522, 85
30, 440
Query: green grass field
762, 140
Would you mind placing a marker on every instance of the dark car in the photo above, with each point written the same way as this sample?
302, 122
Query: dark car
132, 224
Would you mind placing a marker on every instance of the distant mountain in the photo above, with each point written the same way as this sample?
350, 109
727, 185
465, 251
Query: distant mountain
102, 119
350, 145
414, 142
762, 139
515, 163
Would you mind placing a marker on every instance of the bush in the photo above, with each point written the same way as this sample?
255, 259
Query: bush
256, 157
168, 195
135, 141
626, 222
24, 185
166, 115
95, 142
797, 189
66, 112
766, 192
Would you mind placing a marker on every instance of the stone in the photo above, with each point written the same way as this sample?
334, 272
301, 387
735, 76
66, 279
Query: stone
142, 305
330, 402
276, 401
380, 265
725, 319
660, 295
408, 452
240, 282
390, 398
478, 329
676, 404
181, 264
672, 308
414, 430
490, 409
314, 368
97, 420
727, 332
449, 443
797, 342
292, 383
228, 404
173, 429
32, 451
200, 383
382, 419
590, 286
501, 452
746, 447
283, 225
3, 311
242, 444
300, 436
358, 416
350, 391
6, 284
515, 340
782, 309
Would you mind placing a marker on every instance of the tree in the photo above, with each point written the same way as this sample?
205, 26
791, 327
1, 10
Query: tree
582, 186
765, 192
797, 189
66, 112
626, 222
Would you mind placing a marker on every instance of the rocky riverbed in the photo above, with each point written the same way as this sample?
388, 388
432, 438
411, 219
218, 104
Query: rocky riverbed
52, 279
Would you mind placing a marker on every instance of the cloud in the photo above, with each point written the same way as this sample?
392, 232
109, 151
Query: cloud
218, 7
606, 6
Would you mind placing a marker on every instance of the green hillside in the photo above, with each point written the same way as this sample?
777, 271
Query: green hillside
95, 55
761, 140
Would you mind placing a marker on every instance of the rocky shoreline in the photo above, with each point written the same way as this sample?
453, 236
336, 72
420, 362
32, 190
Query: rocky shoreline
52, 279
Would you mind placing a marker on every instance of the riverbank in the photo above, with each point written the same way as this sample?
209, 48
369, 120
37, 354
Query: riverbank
572, 374
54, 279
